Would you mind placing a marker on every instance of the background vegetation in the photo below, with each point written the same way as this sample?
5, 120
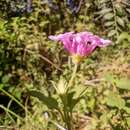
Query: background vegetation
28, 60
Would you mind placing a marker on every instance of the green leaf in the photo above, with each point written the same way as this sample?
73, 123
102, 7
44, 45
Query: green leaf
1, 86
106, 117
128, 121
109, 23
109, 77
128, 10
15, 91
111, 33
114, 100
127, 109
103, 1
123, 83
50, 102
91, 103
1, 72
108, 16
43, 23
128, 25
71, 101
5, 79
123, 36
119, 10
104, 11
120, 22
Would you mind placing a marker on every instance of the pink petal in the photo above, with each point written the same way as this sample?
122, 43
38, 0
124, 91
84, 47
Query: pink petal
82, 43
104, 43
55, 38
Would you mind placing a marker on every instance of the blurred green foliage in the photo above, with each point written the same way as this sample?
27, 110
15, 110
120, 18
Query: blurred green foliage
28, 60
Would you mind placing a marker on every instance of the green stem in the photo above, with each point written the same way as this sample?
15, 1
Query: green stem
61, 114
73, 75
68, 114
11, 112
68, 120
65, 110
13, 98
56, 124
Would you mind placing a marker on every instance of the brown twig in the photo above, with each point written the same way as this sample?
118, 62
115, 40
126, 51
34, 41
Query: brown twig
44, 58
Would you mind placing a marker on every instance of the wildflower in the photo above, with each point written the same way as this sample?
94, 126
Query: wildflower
80, 44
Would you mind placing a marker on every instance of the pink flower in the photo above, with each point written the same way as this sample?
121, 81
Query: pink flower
81, 44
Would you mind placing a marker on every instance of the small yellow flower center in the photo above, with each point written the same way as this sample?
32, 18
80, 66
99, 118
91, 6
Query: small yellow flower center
76, 59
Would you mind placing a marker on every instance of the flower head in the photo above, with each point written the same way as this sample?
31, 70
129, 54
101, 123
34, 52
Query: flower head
80, 44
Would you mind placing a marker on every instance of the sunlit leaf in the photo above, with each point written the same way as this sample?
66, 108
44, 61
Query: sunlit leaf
127, 109
114, 100
109, 77
123, 84
128, 121
123, 36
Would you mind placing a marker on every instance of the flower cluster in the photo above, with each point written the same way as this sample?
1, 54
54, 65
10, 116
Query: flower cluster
80, 44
